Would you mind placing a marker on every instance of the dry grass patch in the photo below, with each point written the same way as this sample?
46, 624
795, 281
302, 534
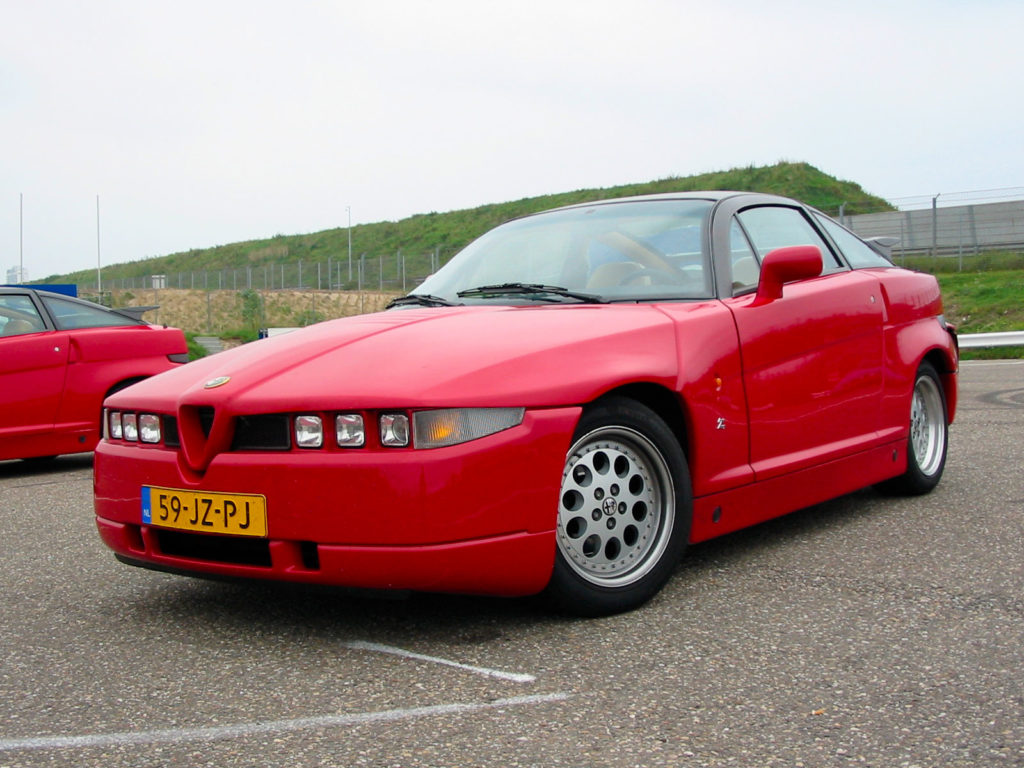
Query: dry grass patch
217, 312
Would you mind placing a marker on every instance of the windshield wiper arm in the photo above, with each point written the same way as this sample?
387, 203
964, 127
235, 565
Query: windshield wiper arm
536, 290
420, 300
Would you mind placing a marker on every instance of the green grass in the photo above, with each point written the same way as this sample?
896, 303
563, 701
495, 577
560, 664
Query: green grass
982, 302
986, 261
195, 350
993, 353
985, 302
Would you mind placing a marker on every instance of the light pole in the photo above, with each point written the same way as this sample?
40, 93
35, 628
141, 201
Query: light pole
349, 209
21, 238
99, 284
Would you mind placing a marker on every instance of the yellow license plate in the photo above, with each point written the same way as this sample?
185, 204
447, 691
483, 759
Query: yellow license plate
238, 514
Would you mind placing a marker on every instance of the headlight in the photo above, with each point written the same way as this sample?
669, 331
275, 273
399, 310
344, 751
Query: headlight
149, 428
437, 429
130, 426
394, 430
349, 431
115, 425
309, 431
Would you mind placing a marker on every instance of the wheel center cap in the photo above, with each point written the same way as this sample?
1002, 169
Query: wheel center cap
608, 506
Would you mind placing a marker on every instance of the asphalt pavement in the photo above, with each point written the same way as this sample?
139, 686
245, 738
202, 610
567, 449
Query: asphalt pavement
867, 631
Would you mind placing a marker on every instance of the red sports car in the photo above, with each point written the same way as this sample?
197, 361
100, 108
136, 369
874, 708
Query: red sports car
59, 358
565, 406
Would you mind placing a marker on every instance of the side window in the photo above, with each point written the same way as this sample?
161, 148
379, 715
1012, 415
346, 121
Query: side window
70, 315
746, 270
18, 316
858, 253
772, 227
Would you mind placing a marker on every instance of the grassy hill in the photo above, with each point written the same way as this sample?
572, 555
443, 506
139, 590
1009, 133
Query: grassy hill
420, 236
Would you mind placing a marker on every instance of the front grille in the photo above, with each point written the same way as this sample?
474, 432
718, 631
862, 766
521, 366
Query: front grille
219, 549
205, 413
263, 432
266, 432
171, 439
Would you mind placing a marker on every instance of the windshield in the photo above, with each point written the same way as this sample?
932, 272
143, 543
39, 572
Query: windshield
637, 250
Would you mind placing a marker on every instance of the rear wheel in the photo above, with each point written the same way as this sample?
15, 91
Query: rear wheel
929, 436
624, 510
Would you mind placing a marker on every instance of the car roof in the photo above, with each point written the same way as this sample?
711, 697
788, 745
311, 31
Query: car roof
715, 196
5, 289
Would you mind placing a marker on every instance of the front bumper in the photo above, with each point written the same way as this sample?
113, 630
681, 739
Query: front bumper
473, 518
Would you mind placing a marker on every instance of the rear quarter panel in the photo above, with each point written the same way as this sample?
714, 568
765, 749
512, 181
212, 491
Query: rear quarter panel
913, 331
101, 358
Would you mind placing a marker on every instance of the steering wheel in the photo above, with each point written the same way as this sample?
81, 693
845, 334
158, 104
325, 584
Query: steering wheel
658, 276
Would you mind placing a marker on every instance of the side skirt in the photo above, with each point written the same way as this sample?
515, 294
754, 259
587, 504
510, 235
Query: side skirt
748, 505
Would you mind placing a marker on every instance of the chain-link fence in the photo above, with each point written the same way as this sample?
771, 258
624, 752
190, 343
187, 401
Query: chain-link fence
394, 273
244, 312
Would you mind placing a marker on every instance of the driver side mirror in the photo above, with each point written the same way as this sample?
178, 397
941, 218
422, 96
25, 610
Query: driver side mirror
786, 265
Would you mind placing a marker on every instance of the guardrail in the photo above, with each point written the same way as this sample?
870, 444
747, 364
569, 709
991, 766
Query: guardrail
999, 339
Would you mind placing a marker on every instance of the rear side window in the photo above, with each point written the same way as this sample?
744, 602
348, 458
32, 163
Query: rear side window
70, 315
18, 316
771, 227
858, 253
746, 270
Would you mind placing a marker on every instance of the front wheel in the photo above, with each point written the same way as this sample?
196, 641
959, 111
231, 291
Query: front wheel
929, 436
624, 510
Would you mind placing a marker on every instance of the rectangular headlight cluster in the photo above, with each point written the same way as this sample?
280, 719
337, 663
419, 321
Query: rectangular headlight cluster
428, 429
350, 430
425, 429
133, 427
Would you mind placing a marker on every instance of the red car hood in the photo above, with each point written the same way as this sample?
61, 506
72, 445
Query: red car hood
436, 357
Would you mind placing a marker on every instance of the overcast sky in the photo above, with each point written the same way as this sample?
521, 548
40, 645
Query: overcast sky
204, 122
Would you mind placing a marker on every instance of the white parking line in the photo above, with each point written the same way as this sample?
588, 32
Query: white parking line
516, 677
242, 730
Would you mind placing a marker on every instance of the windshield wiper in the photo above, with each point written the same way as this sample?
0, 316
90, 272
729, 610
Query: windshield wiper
532, 290
420, 300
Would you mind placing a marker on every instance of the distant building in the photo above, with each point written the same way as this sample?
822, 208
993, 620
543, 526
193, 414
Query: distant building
17, 275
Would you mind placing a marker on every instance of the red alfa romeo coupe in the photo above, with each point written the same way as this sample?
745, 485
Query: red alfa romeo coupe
564, 407
59, 358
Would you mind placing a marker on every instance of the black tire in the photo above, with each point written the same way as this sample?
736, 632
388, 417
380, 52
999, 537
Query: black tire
39, 461
928, 439
624, 510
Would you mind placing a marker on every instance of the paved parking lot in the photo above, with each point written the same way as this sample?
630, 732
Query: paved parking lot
866, 631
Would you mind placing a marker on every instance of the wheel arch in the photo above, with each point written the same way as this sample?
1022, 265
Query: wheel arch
123, 384
664, 402
116, 387
946, 368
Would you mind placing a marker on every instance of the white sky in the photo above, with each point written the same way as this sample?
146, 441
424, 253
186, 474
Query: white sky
205, 122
